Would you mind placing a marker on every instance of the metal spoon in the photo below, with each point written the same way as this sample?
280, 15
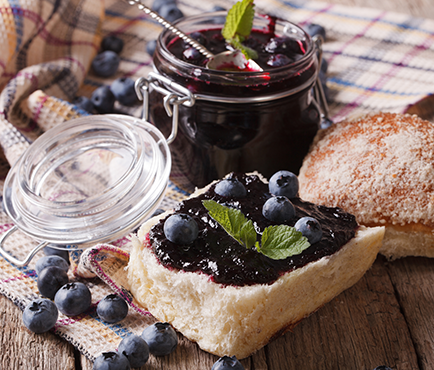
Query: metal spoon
221, 60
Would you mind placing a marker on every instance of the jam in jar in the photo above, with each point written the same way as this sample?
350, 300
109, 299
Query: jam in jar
235, 120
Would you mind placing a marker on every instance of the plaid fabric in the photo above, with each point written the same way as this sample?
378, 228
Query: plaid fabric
377, 61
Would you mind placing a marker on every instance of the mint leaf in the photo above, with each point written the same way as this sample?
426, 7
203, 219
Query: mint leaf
282, 241
238, 25
233, 221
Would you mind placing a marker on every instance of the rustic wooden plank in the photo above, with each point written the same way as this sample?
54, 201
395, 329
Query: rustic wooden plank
22, 349
360, 329
413, 279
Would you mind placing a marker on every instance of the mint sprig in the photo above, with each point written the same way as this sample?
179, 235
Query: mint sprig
238, 25
277, 242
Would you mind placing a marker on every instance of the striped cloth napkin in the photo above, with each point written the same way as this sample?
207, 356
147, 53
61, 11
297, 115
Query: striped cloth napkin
377, 61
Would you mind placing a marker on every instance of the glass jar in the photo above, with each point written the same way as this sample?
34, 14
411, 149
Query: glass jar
86, 181
234, 121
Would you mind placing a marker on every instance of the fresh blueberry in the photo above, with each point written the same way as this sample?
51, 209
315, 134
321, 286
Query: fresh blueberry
191, 54
313, 29
50, 280
278, 209
383, 367
161, 338
73, 299
170, 12
53, 260
135, 349
310, 228
150, 47
157, 4
103, 100
83, 103
40, 315
106, 63
111, 361
284, 183
51, 251
124, 91
112, 43
227, 363
181, 229
230, 187
278, 60
112, 308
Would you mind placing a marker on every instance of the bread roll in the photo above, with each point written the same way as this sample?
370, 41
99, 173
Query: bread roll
380, 168
238, 320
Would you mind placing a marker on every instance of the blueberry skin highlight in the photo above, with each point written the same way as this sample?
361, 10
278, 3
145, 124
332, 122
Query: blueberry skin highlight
227, 363
50, 251
103, 99
111, 361
278, 209
106, 63
112, 43
53, 260
161, 338
171, 12
83, 103
112, 308
284, 183
181, 229
73, 299
50, 280
310, 228
40, 315
230, 187
135, 349
124, 91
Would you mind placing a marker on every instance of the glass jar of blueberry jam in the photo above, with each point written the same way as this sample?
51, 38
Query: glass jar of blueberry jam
235, 120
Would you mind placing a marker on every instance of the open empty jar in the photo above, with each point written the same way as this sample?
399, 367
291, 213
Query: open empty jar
86, 181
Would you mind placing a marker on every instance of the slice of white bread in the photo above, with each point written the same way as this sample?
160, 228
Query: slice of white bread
233, 320
380, 168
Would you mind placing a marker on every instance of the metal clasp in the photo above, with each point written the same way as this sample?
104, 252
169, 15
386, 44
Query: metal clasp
174, 96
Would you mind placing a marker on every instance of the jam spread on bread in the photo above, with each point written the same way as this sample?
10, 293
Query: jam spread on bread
215, 253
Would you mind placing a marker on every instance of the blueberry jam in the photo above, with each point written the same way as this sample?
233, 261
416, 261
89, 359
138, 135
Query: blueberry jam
240, 121
218, 255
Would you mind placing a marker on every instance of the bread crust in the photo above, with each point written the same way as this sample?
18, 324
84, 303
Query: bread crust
379, 168
232, 320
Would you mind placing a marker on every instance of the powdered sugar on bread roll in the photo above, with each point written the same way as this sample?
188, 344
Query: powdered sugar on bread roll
238, 320
381, 169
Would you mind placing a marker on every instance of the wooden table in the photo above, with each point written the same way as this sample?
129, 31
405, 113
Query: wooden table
387, 318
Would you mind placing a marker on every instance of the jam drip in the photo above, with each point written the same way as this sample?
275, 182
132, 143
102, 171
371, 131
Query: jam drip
218, 255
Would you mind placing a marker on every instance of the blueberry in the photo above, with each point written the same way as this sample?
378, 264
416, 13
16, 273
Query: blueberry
217, 8
83, 103
103, 100
191, 54
161, 338
51, 251
53, 260
310, 228
111, 361
124, 91
106, 63
112, 43
278, 60
282, 45
284, 183
313, 29
278, 209
170, 12
157, 4
230, 187
73, 299
40, 315
227, 363
112, 308
150, 47
50, 280
181, 229
135, 349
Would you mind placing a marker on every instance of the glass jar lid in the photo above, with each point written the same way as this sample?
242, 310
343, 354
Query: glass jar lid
89, 180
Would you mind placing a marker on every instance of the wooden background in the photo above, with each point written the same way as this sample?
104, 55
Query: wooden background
387, 318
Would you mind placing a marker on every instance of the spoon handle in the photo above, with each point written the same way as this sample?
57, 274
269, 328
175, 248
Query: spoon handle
172, 28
